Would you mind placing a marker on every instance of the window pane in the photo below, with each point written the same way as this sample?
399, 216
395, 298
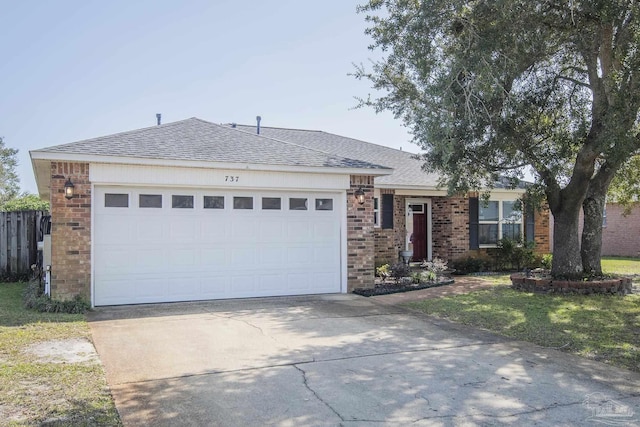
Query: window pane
375, 203
511, 231
214, 202
509, 213
297, 204
488, 234
116, 200
150, 200
271, 203
488, 212
182, 202
324, 204
242, 202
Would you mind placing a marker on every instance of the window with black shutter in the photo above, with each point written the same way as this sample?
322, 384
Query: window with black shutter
474, 212
387, 211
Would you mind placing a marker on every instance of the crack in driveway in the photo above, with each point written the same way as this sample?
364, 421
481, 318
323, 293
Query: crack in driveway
305, 381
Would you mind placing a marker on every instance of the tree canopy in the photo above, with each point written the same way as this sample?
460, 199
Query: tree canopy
9, 183
489, 87
25, 202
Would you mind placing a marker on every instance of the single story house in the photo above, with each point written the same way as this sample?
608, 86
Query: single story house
193, 210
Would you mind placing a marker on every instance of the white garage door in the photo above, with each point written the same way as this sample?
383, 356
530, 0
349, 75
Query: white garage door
161, 245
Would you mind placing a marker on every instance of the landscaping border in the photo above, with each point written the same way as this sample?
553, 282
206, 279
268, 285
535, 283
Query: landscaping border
386, 289
608, 286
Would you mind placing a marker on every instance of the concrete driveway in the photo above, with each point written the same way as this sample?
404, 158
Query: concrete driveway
341, 360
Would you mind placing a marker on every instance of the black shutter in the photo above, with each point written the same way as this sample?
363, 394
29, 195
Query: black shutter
387, 211
530, 223
474, 212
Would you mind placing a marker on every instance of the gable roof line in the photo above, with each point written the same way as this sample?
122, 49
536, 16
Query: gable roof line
302, 146
326, 133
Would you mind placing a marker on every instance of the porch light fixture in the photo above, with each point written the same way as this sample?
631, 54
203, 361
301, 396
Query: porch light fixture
359, 193
68, 189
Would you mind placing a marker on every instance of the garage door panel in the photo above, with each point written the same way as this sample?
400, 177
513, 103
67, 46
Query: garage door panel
243, 229
214, 286
270, 256
183, 229
149, 229
214, 229
114, 231
243, 285
299, 231
185, 287
149, 258
144, 255
272, 283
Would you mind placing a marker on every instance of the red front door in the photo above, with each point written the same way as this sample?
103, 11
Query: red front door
419, 236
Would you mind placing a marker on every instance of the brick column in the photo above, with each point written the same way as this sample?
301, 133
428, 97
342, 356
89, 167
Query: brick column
70, 232
360, 235
541, 230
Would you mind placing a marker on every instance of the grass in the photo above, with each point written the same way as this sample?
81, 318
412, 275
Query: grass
619, 265
598, 327
33, 392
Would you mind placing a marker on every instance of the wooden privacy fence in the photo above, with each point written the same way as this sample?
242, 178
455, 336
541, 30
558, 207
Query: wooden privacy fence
19, 233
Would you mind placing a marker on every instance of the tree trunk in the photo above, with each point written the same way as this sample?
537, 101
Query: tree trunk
593, 207
567, 260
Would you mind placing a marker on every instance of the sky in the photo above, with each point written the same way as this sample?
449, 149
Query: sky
77, 69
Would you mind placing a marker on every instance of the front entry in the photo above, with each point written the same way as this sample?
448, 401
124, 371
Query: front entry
419, 233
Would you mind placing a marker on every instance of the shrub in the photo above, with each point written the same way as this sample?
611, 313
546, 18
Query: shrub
383, 271
469, 265
35, 299
547, 260
399, 270
512, 254
416, 278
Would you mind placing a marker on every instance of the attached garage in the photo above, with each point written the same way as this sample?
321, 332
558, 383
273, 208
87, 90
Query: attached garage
155, 244
193, 210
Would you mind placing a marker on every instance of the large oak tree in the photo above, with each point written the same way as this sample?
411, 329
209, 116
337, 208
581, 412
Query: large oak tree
490, 87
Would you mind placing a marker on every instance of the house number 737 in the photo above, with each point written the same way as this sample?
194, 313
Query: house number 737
229, 178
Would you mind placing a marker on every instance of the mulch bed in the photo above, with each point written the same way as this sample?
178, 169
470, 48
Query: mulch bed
393, 288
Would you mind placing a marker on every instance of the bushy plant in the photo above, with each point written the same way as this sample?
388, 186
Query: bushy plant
416, 278
547, 260
35, 299
383, 271
512, 254
436, 265
399, 270
469, 265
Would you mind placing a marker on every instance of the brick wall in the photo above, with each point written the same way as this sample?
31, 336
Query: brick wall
389, 242
360, 235
541, 231
70, 232
450, 227
620, 236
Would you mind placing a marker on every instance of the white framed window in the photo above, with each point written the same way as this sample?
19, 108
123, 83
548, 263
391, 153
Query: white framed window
498, 219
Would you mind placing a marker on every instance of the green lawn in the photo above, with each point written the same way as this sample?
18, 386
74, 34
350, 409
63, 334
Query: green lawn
614, 265
33, 392
603, 328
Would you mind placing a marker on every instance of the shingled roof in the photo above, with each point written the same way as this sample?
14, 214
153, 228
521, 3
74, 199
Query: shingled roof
407, 170
198, 140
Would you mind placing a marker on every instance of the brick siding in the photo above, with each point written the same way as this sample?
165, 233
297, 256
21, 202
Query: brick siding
70, 232
360, 235
450, 227
620, 236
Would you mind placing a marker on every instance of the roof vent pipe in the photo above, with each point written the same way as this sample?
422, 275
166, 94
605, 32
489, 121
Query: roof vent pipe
159, 118
258, 118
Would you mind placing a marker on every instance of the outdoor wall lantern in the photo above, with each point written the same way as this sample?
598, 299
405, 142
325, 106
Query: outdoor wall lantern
68, 189
359, 193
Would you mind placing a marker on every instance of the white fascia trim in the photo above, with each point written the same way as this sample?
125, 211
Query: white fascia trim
67, 157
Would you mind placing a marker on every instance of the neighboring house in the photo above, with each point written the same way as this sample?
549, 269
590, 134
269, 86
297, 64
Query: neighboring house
620, 233
194, 210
